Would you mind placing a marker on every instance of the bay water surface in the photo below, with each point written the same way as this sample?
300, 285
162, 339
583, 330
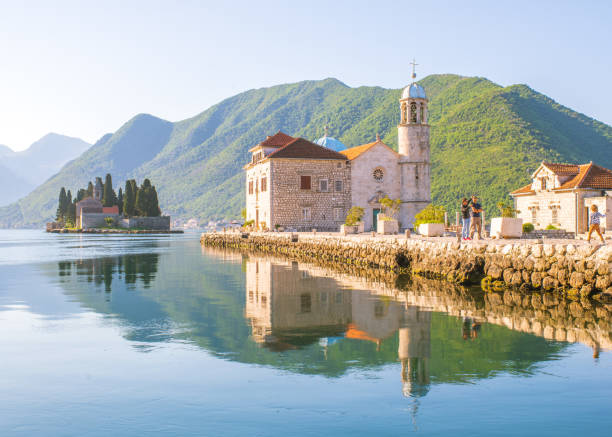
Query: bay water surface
153, 335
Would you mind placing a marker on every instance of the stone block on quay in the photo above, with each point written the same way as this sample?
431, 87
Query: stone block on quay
431, 229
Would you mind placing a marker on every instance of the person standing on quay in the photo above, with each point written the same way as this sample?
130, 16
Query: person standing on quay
595, 218
476, 220
465, 218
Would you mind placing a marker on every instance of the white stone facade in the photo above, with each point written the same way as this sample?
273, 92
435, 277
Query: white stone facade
375, 174
415, 167
562, 198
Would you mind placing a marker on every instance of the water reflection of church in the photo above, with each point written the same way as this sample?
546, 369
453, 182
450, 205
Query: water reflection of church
288, 307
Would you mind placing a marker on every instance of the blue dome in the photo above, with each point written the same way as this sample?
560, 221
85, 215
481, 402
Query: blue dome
331, 143
414, 91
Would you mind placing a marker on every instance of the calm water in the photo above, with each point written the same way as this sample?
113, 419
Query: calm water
155, 336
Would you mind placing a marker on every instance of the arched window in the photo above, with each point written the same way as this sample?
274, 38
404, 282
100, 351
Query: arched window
413, 112
422, 114
403, 113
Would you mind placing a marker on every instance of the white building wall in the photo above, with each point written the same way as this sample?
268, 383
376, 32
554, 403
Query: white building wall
259, 204
365, 187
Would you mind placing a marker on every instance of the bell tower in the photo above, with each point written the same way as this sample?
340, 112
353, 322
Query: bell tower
413, 147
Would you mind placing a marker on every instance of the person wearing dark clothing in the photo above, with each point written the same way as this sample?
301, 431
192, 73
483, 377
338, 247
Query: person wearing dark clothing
465, 218
476, 219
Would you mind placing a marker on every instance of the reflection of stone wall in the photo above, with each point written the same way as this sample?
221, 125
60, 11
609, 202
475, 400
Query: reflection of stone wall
579, 268
546, 315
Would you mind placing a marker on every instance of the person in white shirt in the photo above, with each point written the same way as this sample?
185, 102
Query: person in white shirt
595, 218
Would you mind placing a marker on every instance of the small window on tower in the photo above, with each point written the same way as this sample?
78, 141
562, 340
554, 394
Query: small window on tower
422, 114
264, 184
413, 112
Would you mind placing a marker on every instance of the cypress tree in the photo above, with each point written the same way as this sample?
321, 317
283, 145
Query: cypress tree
90, 189
134, 193
154, 210
81, 194
128, 199
61, 205
142, 203
108, 196
70, 209
120, 201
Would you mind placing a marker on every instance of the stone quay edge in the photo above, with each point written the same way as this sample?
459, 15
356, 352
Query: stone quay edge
569, 267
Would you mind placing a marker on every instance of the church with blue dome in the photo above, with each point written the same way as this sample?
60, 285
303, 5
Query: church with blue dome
295, 184
330, 142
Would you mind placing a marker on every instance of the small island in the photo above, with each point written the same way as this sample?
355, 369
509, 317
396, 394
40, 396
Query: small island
98, 209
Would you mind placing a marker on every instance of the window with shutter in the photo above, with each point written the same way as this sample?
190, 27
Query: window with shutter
304, 182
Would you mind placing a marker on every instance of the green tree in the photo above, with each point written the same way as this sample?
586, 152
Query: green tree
431, 214
129, 199
154, 210
81, 194
109, 198
70, 210
90, 188
120, 201
62, 205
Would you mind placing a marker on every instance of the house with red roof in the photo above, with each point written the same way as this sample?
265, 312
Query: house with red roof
562, 194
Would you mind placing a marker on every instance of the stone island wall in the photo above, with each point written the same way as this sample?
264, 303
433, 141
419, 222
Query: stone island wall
566, 267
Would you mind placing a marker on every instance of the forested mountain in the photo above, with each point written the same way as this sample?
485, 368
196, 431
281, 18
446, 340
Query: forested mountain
21, 172
485, 140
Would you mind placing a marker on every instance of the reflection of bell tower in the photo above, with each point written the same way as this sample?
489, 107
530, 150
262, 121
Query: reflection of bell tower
414, 351
413, 147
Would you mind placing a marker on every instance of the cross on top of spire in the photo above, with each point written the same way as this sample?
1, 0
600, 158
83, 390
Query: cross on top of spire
414, 64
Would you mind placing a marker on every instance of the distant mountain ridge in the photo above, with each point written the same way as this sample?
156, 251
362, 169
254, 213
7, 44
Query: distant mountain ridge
31, 167
485, 140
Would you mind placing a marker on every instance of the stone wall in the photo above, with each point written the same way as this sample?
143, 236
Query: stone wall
327, 209
564, 267
161, 223
96, 220
565, 204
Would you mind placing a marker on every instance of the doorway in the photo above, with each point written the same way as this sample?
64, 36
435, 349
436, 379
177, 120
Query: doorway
375, 213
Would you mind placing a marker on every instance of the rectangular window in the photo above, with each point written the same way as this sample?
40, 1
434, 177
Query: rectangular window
306, 214
264, 184
304, 182
555, 215
534, 216
305, 303
339, 186
337, 214
323, 185
250, 187
543, 183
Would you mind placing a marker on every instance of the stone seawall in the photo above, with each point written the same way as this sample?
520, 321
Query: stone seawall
566, 267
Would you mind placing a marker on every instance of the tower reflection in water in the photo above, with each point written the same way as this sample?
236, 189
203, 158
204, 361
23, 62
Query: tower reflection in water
288, 307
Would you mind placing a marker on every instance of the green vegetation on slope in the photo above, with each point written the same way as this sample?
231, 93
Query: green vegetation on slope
486, 139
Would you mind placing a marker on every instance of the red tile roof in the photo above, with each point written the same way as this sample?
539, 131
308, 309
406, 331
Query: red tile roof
590, 176
525, 190
586, 176
300, 148
279, 139
562, 169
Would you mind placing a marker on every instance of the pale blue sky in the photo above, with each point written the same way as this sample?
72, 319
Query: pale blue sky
84, 68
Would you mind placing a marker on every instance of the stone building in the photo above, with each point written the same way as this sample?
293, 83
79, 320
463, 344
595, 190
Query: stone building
561, 195
298, 184
90, 213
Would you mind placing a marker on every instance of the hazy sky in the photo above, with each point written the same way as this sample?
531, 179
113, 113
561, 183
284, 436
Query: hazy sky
84, 68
